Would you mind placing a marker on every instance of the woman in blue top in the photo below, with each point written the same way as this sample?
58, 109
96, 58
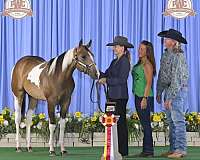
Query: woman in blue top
116, 79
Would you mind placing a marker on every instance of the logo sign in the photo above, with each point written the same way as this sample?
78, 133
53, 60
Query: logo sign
179, 8
17, 8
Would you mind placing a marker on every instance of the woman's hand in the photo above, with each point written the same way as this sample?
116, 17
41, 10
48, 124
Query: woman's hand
144, 103
168, 104
158, 99
102, 81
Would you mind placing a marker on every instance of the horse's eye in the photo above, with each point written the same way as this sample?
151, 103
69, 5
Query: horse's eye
83, 57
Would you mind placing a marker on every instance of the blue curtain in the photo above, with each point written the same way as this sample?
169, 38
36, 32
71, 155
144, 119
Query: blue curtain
57, 26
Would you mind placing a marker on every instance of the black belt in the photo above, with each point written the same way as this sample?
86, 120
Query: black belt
184, 85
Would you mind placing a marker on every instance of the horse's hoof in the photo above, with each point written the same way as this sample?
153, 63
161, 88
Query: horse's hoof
52, 153
18, 149
29, 149
63, 153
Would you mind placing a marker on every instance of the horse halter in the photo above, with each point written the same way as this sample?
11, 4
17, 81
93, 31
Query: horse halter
85, 67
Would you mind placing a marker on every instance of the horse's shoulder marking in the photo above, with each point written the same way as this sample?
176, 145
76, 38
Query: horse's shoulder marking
34, 74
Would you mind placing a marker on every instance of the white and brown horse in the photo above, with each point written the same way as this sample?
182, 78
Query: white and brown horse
51, 81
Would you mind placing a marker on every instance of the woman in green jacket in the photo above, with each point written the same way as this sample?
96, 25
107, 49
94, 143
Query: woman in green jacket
143, 73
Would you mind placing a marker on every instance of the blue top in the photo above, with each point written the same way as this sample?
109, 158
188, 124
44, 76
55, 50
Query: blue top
117, 76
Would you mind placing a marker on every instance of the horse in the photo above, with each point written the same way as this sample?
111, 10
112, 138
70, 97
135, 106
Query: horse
51, 81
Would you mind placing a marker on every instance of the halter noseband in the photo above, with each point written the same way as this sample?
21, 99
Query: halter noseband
85, 67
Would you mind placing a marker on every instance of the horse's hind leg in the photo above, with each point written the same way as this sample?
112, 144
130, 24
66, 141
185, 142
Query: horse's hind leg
31, 107
18, 101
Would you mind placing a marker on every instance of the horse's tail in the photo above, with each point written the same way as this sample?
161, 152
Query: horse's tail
23, 109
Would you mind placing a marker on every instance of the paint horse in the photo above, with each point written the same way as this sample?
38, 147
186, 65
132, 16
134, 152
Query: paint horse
51, 81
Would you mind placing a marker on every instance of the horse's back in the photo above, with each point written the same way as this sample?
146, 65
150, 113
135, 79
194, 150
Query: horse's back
21, 70
26, 59
27, 63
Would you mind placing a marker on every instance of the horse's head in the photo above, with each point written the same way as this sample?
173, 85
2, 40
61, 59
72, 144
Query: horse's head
85, 61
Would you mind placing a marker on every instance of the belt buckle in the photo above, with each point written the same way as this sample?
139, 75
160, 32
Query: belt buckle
185, 85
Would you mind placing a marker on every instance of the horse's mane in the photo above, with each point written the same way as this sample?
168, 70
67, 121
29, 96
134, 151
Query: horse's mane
55, 65
58, 66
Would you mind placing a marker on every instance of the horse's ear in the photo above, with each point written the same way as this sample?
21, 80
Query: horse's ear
89, 44
80, 42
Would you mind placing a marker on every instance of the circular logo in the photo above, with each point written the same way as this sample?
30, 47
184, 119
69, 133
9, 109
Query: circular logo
17, 8
179, 8
108, 120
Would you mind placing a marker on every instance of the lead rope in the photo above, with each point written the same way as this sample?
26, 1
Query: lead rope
98, 94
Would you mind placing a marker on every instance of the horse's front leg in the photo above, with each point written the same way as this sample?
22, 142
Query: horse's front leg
52, 126
64, 107
32, 104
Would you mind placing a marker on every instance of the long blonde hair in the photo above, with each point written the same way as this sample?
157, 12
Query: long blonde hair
177, 48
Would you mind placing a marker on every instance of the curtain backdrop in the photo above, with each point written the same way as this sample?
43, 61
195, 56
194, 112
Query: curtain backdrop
58, 25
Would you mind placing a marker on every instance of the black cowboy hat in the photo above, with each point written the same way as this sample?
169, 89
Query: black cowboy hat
173, 34
122, 41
